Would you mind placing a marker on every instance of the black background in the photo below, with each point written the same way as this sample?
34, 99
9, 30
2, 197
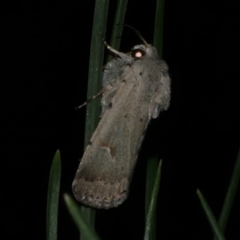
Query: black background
45, 55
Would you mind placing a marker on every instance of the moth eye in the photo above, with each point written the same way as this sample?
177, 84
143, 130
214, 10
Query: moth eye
138, 53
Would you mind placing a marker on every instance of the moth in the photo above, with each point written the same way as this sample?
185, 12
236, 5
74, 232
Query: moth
136, 88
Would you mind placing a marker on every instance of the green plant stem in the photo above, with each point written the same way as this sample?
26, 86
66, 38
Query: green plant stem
158, 26
150, 229
53, 197
231, 192
118, 25
95, 66
80, 221
211, 219
94, 83
153, 162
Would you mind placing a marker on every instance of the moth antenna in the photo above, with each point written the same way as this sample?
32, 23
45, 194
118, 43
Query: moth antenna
120, 54
138, 33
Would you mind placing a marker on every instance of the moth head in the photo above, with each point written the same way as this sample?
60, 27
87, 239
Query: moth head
139, 51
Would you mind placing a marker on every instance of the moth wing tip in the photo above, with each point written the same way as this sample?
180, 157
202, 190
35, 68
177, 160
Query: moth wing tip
99, 195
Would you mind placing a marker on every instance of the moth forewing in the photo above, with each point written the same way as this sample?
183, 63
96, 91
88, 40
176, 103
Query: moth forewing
138, 88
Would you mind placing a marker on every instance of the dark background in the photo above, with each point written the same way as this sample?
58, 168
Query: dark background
45, 55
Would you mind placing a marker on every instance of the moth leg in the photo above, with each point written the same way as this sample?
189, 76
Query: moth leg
91, 99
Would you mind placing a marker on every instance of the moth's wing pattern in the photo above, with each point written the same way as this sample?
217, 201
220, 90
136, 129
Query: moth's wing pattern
112, 76
162, 97
105, 171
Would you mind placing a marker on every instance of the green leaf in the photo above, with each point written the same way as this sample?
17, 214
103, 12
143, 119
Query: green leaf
231, 192
94, 83
118, 25
158, 26
152, 165
150, 228
212, 220
153, 162
95, 66
82, 224
53, 197
95, 72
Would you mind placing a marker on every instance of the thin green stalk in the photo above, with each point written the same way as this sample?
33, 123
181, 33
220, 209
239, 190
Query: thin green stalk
158, 26
95, 73
150, 229
53, 197
80, 221
232, 189
152, 165
94, 83
95, 66
211, 219
118, 25
153, 162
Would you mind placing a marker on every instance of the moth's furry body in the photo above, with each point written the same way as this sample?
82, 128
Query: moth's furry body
138, 88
